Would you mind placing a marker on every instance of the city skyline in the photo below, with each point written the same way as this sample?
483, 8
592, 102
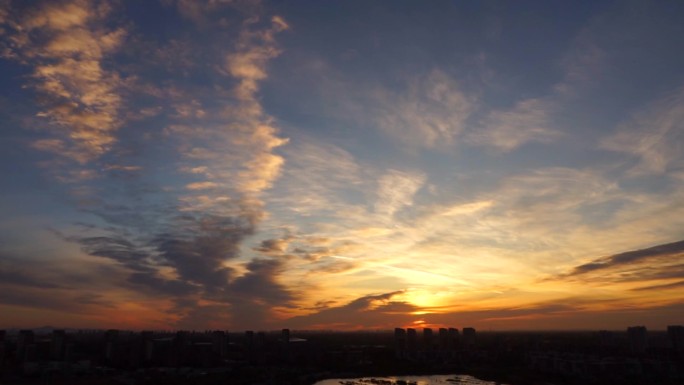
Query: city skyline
258, 165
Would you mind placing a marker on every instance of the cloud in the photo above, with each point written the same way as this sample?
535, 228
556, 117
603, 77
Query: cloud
584, 62
396, 190
630, 257
507, 130
260, 283
653, 136
273, 246
201, 185
206, 13
367, 311
431, 113
67, 44
121, 167
116, 248
248, 62
236, 140
181, 243
665, 286
200, 258
151, 281
13, 276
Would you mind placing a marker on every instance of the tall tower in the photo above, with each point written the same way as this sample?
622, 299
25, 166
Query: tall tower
469, 338
443, 339
412, 342
638, 339
2, 347
676, 334
57, 345
453, 338
25, 342
399, 342
219, 343
428, 340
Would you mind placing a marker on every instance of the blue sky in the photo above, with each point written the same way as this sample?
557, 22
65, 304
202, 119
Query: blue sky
255, 164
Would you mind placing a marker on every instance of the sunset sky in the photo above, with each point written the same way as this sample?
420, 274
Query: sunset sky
341, 164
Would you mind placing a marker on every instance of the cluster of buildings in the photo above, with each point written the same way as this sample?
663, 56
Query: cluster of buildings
444, 344
617, 359
57, 351
604, 356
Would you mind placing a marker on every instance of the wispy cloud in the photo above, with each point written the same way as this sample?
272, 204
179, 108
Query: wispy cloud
652, 136
528, 121
396, 190
67, 45
431, 113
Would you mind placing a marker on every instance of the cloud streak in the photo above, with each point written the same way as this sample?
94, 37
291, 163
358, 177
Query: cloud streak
630, 257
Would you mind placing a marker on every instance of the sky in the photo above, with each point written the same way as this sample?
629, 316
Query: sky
180, 164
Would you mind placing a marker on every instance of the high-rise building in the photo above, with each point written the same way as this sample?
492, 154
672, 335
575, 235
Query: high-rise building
469, 338
443, 339
219, 343
453, 338
2, 347
428, 339
399, 342
147, 345
249, 344
25, 344
111, 338
181, 348
676, 334
57, 344
638, 339
411, 341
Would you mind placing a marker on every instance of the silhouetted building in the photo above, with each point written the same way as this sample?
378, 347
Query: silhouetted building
606, 338
412, 342
2, 347
26, 345
676, 334
111, 339
219, 341
181, 351
147, 346
428, 340
469, 338
443, 339
249, 345
638, 339
400, 342
57, 345
453, 338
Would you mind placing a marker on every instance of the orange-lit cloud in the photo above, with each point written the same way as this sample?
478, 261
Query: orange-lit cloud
66, 44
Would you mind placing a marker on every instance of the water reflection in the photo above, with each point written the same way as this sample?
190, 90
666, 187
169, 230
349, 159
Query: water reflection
453, 379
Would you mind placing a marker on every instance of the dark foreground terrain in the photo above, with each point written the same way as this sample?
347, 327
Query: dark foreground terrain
47, 356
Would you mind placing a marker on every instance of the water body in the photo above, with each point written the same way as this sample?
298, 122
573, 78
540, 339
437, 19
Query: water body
451, 379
